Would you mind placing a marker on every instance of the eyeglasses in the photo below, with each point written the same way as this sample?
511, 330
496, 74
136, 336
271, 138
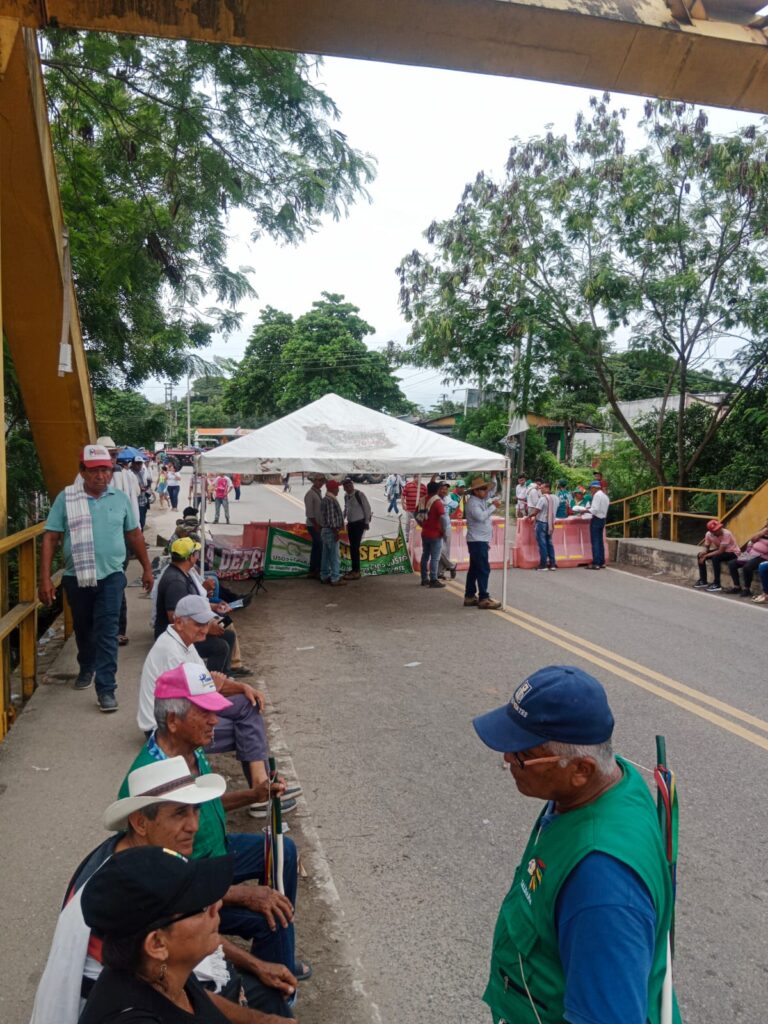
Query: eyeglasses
529, 762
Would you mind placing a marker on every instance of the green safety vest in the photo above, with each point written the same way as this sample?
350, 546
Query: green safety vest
622, 823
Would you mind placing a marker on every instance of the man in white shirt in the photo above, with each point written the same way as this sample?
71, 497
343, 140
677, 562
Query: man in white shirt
241, 726
521, 497
534, 493
599, 509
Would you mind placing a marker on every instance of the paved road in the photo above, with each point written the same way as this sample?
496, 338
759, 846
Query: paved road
422, 827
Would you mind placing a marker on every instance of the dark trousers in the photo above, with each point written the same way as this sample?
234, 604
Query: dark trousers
122, 624
277, 946
479, 571
173, 494
143, 509
216, 651
355, 533
237, 492
748, 568
258, 995
546, 547
95, 616
316, 554
716, 561
596, 537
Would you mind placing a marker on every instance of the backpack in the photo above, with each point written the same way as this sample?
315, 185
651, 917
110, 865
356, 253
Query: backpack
222, 487
421, 513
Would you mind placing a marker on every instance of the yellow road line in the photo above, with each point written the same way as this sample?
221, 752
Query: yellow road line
284, 494
610, 661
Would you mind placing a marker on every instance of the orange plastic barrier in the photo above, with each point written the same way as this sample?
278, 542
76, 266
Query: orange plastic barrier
570, 539
459, 551
255, 534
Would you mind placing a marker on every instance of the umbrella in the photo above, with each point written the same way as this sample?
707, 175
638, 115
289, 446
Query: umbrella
667, 810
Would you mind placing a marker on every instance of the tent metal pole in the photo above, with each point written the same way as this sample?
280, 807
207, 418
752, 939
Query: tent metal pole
202, 514
506, 534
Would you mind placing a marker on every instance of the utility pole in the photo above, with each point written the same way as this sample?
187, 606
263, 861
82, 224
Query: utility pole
189, 418
169, 429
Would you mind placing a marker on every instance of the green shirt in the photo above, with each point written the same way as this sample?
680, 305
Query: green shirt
211, 838
111, 517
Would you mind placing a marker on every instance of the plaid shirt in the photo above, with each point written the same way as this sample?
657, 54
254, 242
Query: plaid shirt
333, 517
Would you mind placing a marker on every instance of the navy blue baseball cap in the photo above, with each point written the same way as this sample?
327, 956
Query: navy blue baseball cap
558, 703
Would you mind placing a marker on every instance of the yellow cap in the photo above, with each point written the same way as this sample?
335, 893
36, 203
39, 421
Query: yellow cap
185, 547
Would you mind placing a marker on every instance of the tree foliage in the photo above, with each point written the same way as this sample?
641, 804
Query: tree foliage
155, 142
129, 418
584, 247
289, 363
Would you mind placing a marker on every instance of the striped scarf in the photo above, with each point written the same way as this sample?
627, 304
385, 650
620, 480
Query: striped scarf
81, 534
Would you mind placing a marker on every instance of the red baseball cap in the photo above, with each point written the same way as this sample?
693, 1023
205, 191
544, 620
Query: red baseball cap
332, 485
191, 681
94, 455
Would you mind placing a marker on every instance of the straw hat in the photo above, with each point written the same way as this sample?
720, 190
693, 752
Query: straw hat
476, 483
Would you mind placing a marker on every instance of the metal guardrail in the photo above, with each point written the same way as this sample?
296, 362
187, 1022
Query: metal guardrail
666, 505
22, 617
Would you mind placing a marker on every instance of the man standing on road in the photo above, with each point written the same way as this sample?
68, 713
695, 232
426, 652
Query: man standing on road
583, 933
599, 503
432, 528
393, 488
357, 512
479, 511
332, 519
95, 522
521, 497
222, 487
412, 497
543, 514
313, 506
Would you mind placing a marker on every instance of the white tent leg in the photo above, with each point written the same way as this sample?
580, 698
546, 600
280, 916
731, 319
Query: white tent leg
507, 472
202, 527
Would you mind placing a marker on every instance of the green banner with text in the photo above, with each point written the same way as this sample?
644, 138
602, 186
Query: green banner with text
287, 554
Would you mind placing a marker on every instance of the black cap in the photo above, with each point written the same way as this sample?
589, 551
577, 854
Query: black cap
138, 889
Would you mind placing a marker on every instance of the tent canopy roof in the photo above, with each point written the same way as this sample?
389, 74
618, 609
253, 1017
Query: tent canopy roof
334, 435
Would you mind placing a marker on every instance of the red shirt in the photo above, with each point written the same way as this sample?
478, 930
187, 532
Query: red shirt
433, 526
409, 495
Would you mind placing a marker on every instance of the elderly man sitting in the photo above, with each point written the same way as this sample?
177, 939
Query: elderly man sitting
187, 704
241, 725
162, 810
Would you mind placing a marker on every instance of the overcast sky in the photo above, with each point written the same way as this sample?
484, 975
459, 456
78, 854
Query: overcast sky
430, 132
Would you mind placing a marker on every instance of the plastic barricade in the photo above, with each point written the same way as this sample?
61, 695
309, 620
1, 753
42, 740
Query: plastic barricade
570, 538
459, 550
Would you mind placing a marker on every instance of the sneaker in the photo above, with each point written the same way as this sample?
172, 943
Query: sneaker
470, 601
488, 602
541, 568
241, 672
351, 576
107, 701
338, 583
83, 680
436, 584
553, 568
425, 583
260, 810
714, 588
746, 593
699, 583
733, 590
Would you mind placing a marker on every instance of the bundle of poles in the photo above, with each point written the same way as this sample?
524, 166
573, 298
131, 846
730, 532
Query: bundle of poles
667, 810
273, 837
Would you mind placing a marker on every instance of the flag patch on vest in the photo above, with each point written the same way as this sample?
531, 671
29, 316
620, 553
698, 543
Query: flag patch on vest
536, 869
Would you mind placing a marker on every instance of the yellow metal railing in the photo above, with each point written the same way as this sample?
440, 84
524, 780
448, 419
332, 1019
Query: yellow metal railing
22, 617
664, 505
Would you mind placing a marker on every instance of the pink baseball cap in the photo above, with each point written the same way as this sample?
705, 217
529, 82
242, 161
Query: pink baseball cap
191, 681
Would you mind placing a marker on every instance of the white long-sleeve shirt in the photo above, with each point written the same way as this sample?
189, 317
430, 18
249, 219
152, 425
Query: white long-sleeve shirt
600, 503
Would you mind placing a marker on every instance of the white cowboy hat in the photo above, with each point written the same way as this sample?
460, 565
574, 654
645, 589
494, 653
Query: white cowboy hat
161, 781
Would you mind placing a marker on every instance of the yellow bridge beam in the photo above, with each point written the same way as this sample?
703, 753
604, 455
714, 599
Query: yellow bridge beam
34, 276
708, 51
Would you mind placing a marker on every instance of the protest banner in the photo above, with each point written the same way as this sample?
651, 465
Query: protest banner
288, 550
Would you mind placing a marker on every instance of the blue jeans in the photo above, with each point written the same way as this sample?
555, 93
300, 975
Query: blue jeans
316, 555
219, 504
762, 572
430, 552
546, 547
479, 571
392, 507
277, 946
329, 564
596, 527
95, 617
173, 494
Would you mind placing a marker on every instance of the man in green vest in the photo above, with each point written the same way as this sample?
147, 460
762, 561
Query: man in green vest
583, 934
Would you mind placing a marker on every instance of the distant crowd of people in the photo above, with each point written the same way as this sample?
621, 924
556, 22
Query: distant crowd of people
719, 547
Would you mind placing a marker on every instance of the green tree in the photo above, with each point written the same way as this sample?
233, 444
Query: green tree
584, 246
155, 142
129, 418
289, 363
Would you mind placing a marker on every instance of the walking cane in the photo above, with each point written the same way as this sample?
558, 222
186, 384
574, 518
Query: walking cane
667, 809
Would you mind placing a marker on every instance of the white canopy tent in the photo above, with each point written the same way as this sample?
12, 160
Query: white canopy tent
335, 436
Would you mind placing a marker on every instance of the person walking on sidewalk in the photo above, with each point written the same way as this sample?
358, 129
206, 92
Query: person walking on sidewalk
544, 516
432, 528
237, 483
357, 512
479, 510
222, 486
332, 519
719, 545
393, 488
95, 523
313, 507
598, 506
173, 480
